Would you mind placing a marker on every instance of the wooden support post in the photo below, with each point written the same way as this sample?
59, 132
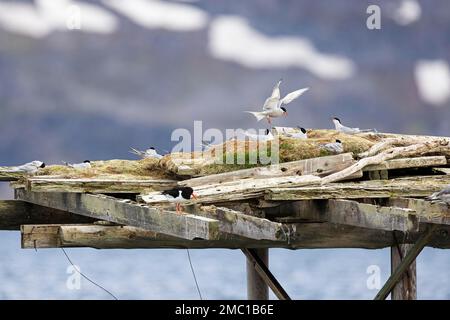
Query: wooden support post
409, 258
254, 261
257, 288
406, 287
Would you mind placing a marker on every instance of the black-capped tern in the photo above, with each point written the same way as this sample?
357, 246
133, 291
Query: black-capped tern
268, 136
341, 128
29, 168
83, 165
149, 153
273, 106
334, 147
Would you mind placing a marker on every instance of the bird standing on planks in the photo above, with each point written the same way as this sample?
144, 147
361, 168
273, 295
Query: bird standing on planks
180, 195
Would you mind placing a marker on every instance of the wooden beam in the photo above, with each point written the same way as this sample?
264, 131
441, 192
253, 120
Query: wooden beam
186, 226
124, 237
350, 213
95, 185
418, 186
427, 211
258, 261
316, 166
418, 162
14, 213
406, 287
411, 256
306, 236
244, 225
310, 235
257, 288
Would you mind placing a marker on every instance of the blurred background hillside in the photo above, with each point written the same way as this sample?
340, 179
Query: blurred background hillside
138, 69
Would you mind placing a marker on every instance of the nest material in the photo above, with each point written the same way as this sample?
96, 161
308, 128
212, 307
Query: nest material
214, 160
132, 169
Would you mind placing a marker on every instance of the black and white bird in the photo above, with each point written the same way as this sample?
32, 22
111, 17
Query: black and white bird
260, 137
149, 153
298, 135
334, 147
443, 195
341, 128
180, 195
274, 106
29, 168
86, 164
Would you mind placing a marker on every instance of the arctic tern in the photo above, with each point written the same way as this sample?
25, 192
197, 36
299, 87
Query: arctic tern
273, 106
29, 168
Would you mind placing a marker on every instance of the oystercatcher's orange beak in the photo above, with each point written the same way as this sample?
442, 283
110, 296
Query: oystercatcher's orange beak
194, 196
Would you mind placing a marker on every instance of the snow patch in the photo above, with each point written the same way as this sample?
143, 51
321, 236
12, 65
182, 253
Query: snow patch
232, 38
155, 14
433, 81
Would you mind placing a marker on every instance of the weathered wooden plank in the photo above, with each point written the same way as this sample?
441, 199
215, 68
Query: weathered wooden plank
95, 185
350, 213
237, 223
316, 166
125, 212
14, 213
238, 190
418, 186
438, 146
306, 236
427, 211
405, 163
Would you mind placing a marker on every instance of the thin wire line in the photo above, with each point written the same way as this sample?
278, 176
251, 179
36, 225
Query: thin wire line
84, 276
193, 273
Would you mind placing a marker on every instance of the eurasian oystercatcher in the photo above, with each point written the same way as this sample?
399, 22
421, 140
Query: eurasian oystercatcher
179, 195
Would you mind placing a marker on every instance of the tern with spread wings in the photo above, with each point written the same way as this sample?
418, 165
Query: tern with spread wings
274, 106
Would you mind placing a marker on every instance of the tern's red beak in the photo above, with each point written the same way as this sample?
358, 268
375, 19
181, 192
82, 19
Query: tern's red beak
285, 113
194, 196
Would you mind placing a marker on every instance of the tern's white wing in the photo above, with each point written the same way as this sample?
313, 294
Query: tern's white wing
272, 102
293, 95
276, 91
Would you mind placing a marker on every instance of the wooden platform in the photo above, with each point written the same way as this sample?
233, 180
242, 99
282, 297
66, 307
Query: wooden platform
374, 199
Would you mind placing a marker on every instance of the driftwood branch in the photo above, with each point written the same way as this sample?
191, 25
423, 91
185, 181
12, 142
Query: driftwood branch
409, 151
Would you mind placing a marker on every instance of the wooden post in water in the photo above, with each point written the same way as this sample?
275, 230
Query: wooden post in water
406, 287
257, 289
